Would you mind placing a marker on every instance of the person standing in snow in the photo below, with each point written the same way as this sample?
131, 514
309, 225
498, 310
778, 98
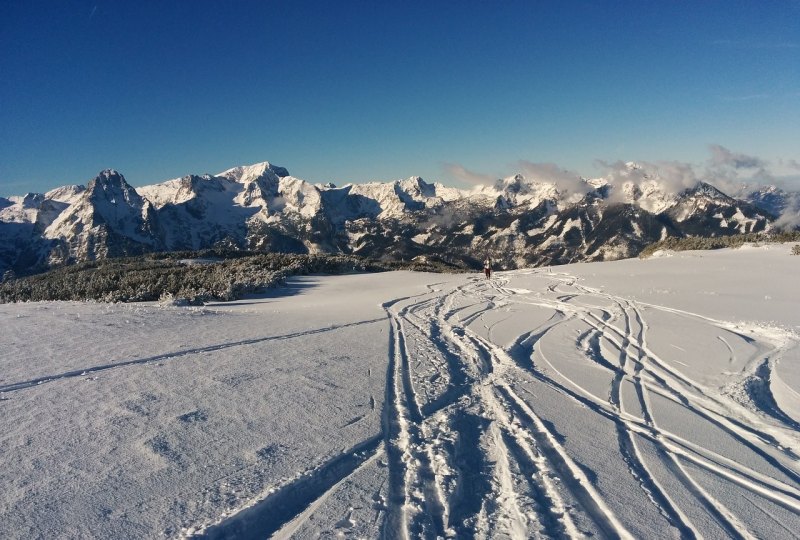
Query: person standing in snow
487, 267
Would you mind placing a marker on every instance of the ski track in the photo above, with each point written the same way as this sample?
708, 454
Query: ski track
171, 356
470, 454
286, 504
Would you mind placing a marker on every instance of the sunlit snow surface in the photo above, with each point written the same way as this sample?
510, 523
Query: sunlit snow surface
643, 399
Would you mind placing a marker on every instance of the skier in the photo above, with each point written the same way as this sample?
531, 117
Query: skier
487, 268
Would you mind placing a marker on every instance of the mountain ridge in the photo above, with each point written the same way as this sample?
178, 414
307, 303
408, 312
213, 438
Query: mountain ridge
518, 221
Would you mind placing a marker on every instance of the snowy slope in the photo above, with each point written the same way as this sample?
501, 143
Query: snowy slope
635, 399
23, 221
381, 200
231, 208
197, 211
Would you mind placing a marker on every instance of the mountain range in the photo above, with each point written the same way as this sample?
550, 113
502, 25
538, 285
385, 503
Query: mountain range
517, 221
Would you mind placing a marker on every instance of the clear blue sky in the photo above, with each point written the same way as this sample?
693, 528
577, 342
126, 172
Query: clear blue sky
354, 91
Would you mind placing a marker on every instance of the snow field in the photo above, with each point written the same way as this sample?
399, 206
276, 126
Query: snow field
634, 399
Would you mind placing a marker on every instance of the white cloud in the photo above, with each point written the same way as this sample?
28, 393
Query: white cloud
724, 157
735, 173
567, 182
790, 218
462, 174
790, 163
672, 176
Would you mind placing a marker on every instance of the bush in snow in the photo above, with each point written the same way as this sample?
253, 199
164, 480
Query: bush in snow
674, 243
221, 276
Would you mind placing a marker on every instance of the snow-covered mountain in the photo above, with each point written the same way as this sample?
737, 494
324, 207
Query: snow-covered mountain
108, 219
518, 220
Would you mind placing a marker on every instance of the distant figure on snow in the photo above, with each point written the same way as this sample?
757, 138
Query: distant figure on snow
487, 267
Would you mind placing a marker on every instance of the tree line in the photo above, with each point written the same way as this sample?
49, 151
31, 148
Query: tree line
674, 243
186, 277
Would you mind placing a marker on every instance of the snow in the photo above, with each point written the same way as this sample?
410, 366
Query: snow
245, 174
22, 209
521, 191
568, 225
650, 194
65, 194
233, 197
745, 224
421, 238
168, 192
300, 197
394, 199
545, 227
632, 399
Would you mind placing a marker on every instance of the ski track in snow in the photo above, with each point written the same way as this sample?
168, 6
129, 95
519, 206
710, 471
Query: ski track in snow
469, 456
482, 381
169, 356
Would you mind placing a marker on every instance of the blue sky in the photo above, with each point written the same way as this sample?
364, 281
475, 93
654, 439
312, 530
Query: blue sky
357, 91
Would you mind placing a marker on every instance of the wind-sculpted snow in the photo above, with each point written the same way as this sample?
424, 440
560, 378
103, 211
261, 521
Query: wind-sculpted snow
551, 403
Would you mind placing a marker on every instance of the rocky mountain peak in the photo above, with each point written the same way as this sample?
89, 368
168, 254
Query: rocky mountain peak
773, 199
512, 184
249, 173
32, 200
110, 186
418, 186
704, 189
